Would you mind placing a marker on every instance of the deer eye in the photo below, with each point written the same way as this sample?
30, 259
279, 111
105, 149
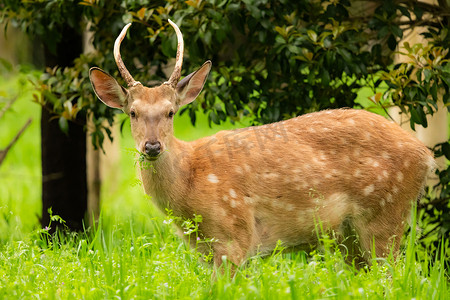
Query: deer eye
132, 114
171, 113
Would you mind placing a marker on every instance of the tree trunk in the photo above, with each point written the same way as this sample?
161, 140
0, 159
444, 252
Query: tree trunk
64, 185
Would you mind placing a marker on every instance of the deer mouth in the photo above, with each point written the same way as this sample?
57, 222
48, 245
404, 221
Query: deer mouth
142, 157
151, 158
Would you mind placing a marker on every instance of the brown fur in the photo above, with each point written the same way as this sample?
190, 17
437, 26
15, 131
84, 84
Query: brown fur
259, 185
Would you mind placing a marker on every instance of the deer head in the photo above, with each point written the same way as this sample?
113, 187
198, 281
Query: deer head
151, 110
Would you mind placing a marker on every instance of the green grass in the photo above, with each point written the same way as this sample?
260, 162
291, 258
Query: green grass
134, 253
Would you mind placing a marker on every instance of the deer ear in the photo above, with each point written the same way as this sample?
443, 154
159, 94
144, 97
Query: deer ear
107, 89
190, 86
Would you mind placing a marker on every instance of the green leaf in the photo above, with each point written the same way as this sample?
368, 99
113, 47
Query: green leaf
192, 116
392, 42
312, 35
345, 54
427, 74
231, 111
446, 78
412, 93
404, 11
281, 31
214, 117
397, 31
293, 49
446, 150
64, 125
418, 116
325, 77
433, 91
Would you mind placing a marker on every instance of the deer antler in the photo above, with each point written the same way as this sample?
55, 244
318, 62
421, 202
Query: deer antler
123, 70
176, 74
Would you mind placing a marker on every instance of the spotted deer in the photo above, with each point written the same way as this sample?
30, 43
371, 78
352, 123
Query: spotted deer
354, 171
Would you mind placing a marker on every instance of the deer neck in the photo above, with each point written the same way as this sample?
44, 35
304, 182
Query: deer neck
164, 179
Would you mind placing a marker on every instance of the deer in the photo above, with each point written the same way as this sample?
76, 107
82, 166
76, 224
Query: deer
355, 172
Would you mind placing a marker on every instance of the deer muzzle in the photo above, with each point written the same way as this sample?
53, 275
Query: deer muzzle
152, 149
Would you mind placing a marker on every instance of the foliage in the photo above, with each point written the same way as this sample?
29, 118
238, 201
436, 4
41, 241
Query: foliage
273, 59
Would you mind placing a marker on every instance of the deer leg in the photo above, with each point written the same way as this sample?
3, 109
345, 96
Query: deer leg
231, 253
381, 236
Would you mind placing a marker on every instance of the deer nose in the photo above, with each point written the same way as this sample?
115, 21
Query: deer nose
152, 149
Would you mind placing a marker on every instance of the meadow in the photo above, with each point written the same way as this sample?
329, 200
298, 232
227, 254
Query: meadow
134, 252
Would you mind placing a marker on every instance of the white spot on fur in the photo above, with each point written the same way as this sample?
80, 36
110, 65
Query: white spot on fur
316, 161
232, 193
247, 168
357, 173
223, 212
213, 178
368, 190
239, 170
290, 207
338, 197
351, 121
305, 215
382, 202
304, 185
225, 198
270, 175
400, 176
233, 203
389, 198
385, 155
376, 164
385, 173
248, 200
395, 189
406, 163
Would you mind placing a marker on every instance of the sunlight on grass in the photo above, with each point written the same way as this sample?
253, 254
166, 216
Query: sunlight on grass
20, 173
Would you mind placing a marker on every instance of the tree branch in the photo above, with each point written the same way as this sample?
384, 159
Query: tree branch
7, 106
425, 6
13, 141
